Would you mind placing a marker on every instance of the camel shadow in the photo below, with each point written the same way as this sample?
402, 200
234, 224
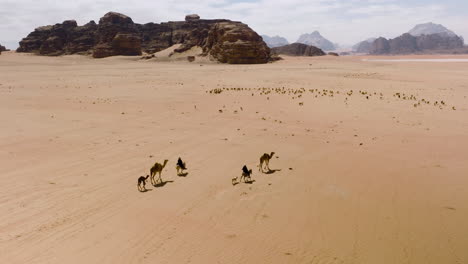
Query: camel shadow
161, 184
184, 174
272, 171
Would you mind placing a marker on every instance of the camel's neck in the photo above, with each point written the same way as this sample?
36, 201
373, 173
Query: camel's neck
164, 165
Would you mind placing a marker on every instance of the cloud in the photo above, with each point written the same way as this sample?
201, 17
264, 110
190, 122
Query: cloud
342, 21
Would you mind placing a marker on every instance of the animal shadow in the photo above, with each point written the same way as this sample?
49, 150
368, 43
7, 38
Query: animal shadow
272, 171
145, 190
249, 181
162, 184
184, 174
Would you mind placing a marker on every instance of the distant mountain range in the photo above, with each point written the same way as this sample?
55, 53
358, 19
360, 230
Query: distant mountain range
275, 41
317, 40
428, 37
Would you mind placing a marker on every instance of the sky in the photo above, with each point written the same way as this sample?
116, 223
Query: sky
341, 21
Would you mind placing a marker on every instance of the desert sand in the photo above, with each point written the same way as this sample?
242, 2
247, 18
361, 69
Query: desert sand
375, 175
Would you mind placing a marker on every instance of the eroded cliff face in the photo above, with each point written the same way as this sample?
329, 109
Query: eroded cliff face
235, 43
116, 34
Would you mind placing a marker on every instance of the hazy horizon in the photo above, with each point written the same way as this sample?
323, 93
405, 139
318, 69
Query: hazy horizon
342, 22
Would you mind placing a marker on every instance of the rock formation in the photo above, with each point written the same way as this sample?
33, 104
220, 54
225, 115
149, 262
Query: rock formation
275, 41
317, 40
65, 38
423, 38
2, 48
364, 46
116, 34
407, 44
236, 43
298, 49
429, 29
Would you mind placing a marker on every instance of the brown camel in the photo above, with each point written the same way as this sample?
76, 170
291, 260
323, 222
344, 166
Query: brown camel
157, 168
265, 158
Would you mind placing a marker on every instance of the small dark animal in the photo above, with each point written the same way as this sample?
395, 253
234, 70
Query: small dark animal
142, 183
246, 174
180, 166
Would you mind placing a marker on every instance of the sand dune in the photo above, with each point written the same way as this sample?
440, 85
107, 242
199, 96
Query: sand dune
366, 176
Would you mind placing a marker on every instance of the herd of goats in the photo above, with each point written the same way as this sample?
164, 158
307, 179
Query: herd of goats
180, 167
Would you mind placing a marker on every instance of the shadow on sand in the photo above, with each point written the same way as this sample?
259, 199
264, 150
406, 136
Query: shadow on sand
161, 184
184, 174
249, 181
145, 190
272, 171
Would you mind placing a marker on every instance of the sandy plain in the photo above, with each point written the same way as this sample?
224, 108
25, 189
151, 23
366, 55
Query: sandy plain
376, 176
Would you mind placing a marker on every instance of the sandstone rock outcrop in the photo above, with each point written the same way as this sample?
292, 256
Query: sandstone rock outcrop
192, 17
116, 34
65, 38
298, 49
235, 43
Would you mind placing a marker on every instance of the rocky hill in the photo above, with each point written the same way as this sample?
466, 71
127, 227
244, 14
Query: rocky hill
275, 41
429, 29
116, 34
298, 49
317, 40
2, 48
423, 38
364, 46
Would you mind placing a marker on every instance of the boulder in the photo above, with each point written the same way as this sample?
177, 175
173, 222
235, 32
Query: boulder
236, 43
298, 49
190, 58
192, 17
333, 54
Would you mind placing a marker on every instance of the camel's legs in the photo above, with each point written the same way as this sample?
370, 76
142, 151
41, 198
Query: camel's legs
267, 162
159, 179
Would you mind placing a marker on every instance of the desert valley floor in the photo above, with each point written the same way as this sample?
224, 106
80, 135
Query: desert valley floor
367, 171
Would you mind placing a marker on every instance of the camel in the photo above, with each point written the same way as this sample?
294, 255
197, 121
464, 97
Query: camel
246, 174
265, 158
157, 168
142, 183
180, 166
